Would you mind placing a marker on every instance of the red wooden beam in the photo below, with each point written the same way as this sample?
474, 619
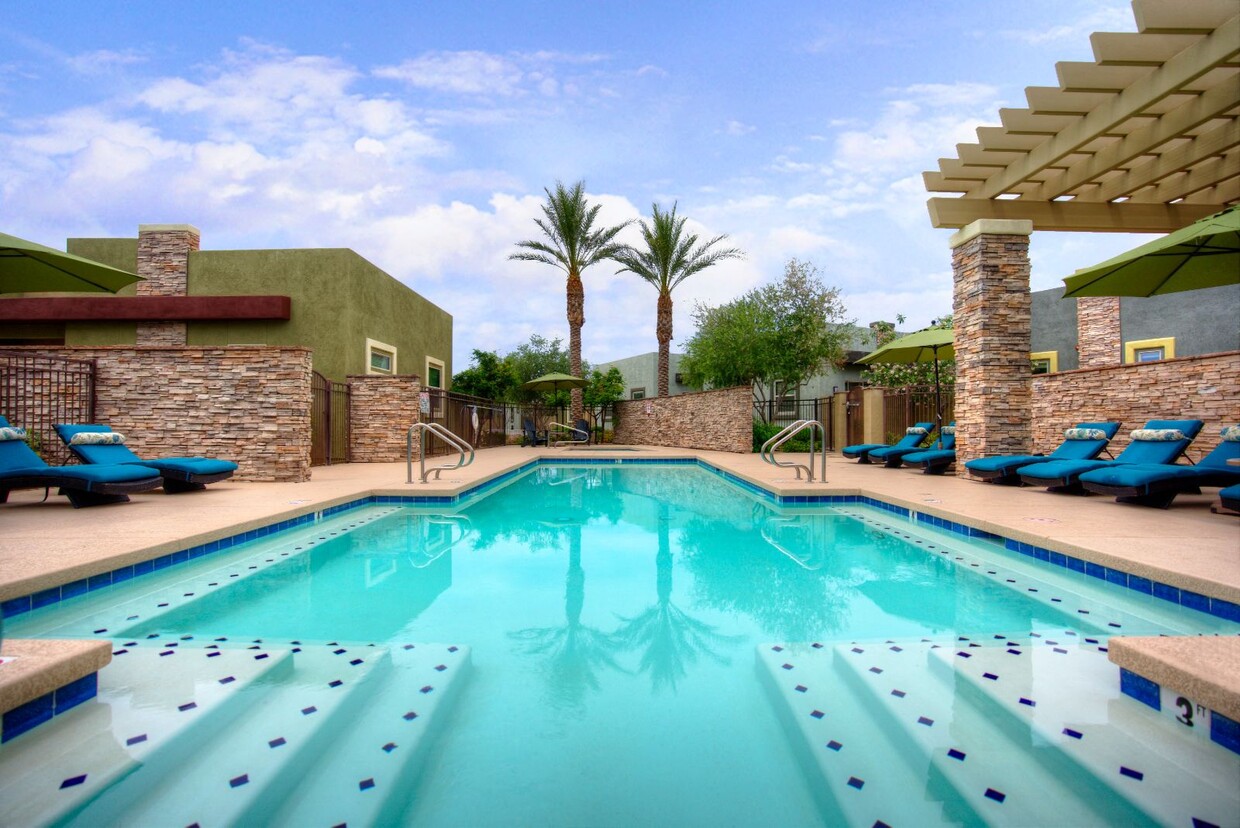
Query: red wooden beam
144, 308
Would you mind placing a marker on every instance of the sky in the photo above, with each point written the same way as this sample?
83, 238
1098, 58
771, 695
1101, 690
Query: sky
423, 135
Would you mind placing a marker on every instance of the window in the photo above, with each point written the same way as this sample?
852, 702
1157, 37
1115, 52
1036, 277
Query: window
1044, 362
1149, 350
434, 373
380, 357
637, 393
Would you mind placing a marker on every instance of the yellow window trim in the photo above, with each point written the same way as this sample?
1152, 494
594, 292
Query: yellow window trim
373, 345
1051, 357
1167, 343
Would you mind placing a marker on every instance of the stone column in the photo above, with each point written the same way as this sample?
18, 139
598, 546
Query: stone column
381, 409
163, 263
1098, 335
991, 309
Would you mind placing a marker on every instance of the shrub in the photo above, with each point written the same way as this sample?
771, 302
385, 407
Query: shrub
765, 431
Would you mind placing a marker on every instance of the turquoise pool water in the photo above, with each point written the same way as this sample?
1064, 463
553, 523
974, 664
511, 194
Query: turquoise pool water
613, 615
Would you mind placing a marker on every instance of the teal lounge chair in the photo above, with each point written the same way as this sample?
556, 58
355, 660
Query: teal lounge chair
939, 457
21, 468
1160, 441
912, 438
1230, 498
891, 456
99, 444
532, 436
1083, 442
1158, 485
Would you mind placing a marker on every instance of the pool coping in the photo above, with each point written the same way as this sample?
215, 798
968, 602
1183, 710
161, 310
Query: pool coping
1067, 556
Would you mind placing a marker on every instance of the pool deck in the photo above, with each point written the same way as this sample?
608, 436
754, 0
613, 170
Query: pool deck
49, 544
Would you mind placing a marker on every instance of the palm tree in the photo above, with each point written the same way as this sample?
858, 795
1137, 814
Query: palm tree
670, 257
572, 245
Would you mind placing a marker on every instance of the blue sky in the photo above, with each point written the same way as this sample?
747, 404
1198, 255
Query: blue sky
422, 135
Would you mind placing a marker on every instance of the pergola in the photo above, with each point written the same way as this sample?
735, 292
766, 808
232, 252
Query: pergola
1145, 139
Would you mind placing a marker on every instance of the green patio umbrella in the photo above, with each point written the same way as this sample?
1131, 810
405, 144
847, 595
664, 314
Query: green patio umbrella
1204, 254
928, 345
555, 382
26, 267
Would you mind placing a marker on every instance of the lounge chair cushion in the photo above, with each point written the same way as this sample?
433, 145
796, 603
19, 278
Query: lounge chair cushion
935, 457
1085, 434
1230, 434
917, 430
12, 433
1230, 497
1157, 435
97, 438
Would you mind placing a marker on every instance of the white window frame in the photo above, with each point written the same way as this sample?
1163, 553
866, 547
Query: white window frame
637, 393
374, 346
431, 362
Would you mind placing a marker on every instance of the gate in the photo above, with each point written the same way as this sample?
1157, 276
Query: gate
905, 406
329, 421
457, 413
854, 416
38, 391
784, 412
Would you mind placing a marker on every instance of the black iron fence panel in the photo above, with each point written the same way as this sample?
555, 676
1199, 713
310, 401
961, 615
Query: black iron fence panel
476, 420
785, 412
329, 421
905, 406
38, 391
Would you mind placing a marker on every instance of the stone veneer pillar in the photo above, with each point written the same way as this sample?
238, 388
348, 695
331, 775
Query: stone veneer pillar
163, 264
1098, 336
381, 410
991, 312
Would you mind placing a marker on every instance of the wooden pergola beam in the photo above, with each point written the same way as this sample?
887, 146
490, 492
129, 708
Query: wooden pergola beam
1091, 216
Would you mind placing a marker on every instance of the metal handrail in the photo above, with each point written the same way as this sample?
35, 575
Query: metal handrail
786, 434
585, 434
442, 433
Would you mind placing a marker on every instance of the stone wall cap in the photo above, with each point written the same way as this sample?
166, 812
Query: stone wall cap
994, 227
169, 228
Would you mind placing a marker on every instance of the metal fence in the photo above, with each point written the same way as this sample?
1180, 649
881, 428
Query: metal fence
37, 391
476, 420
785, 412
903, 407
329, 421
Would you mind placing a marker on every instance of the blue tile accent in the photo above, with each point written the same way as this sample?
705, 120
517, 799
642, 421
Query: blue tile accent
1093, 570
25, 717
75, 692
1143, 585
15, 606
1225, 731
99, 581
1140, 688
1194, 600
74, 588
1167, 593
1114, 576
1225, 609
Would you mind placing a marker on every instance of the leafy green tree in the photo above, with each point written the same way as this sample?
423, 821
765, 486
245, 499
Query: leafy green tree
602, 392
490, 376
533, 359
670, 256
784, 332
911, 375
572, 244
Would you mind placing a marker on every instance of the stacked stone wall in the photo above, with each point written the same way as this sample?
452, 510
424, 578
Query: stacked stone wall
991, 307
381, 409
250, 404
709, 420
1203, 388
1098, 336
163, 264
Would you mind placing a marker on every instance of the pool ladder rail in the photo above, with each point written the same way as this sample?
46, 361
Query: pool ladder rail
465, 452
772, 445
575, 441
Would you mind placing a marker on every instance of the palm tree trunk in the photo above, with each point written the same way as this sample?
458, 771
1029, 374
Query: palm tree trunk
576, 318
663, 330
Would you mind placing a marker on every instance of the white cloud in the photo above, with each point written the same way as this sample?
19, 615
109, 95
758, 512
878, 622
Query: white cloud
462, 73
738, 128
101, 61
1116, 16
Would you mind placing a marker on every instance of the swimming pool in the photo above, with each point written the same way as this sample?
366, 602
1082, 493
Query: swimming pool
593, 644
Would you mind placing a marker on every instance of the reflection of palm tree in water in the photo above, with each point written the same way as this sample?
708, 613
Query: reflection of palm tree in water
672, 639
575, 652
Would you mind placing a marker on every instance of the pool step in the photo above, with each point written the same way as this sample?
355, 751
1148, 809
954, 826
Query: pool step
366, 777
1003, 778
236, 774
153, 695
1066, 695
854, 784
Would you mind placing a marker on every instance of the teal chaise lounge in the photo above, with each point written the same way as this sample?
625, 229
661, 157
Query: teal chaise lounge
21, 468
912, 438
939, 457
1159, 442
94, 444
1157, 485
890, 456
1230, 497
1085, 441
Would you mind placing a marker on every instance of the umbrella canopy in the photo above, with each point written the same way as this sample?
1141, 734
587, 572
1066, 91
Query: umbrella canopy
929, 345
1204, 254
555, 382
26, 267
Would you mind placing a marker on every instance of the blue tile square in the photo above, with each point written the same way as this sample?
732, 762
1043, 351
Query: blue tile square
179, 557
76, 692
162, 562
1041, 554
1225, 609
74, 589
1225, 731
143, 567
1075, 564
15, 606
1143, 585
1093, 570
99, 581
1139, 688
27, 716
1194, 600
1114, 576
1167, 593
1059, 559
45, 598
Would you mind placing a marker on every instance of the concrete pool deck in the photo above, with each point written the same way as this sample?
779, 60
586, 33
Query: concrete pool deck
49, 544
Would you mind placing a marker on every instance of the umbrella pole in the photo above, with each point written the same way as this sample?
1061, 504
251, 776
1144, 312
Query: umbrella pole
938, 403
